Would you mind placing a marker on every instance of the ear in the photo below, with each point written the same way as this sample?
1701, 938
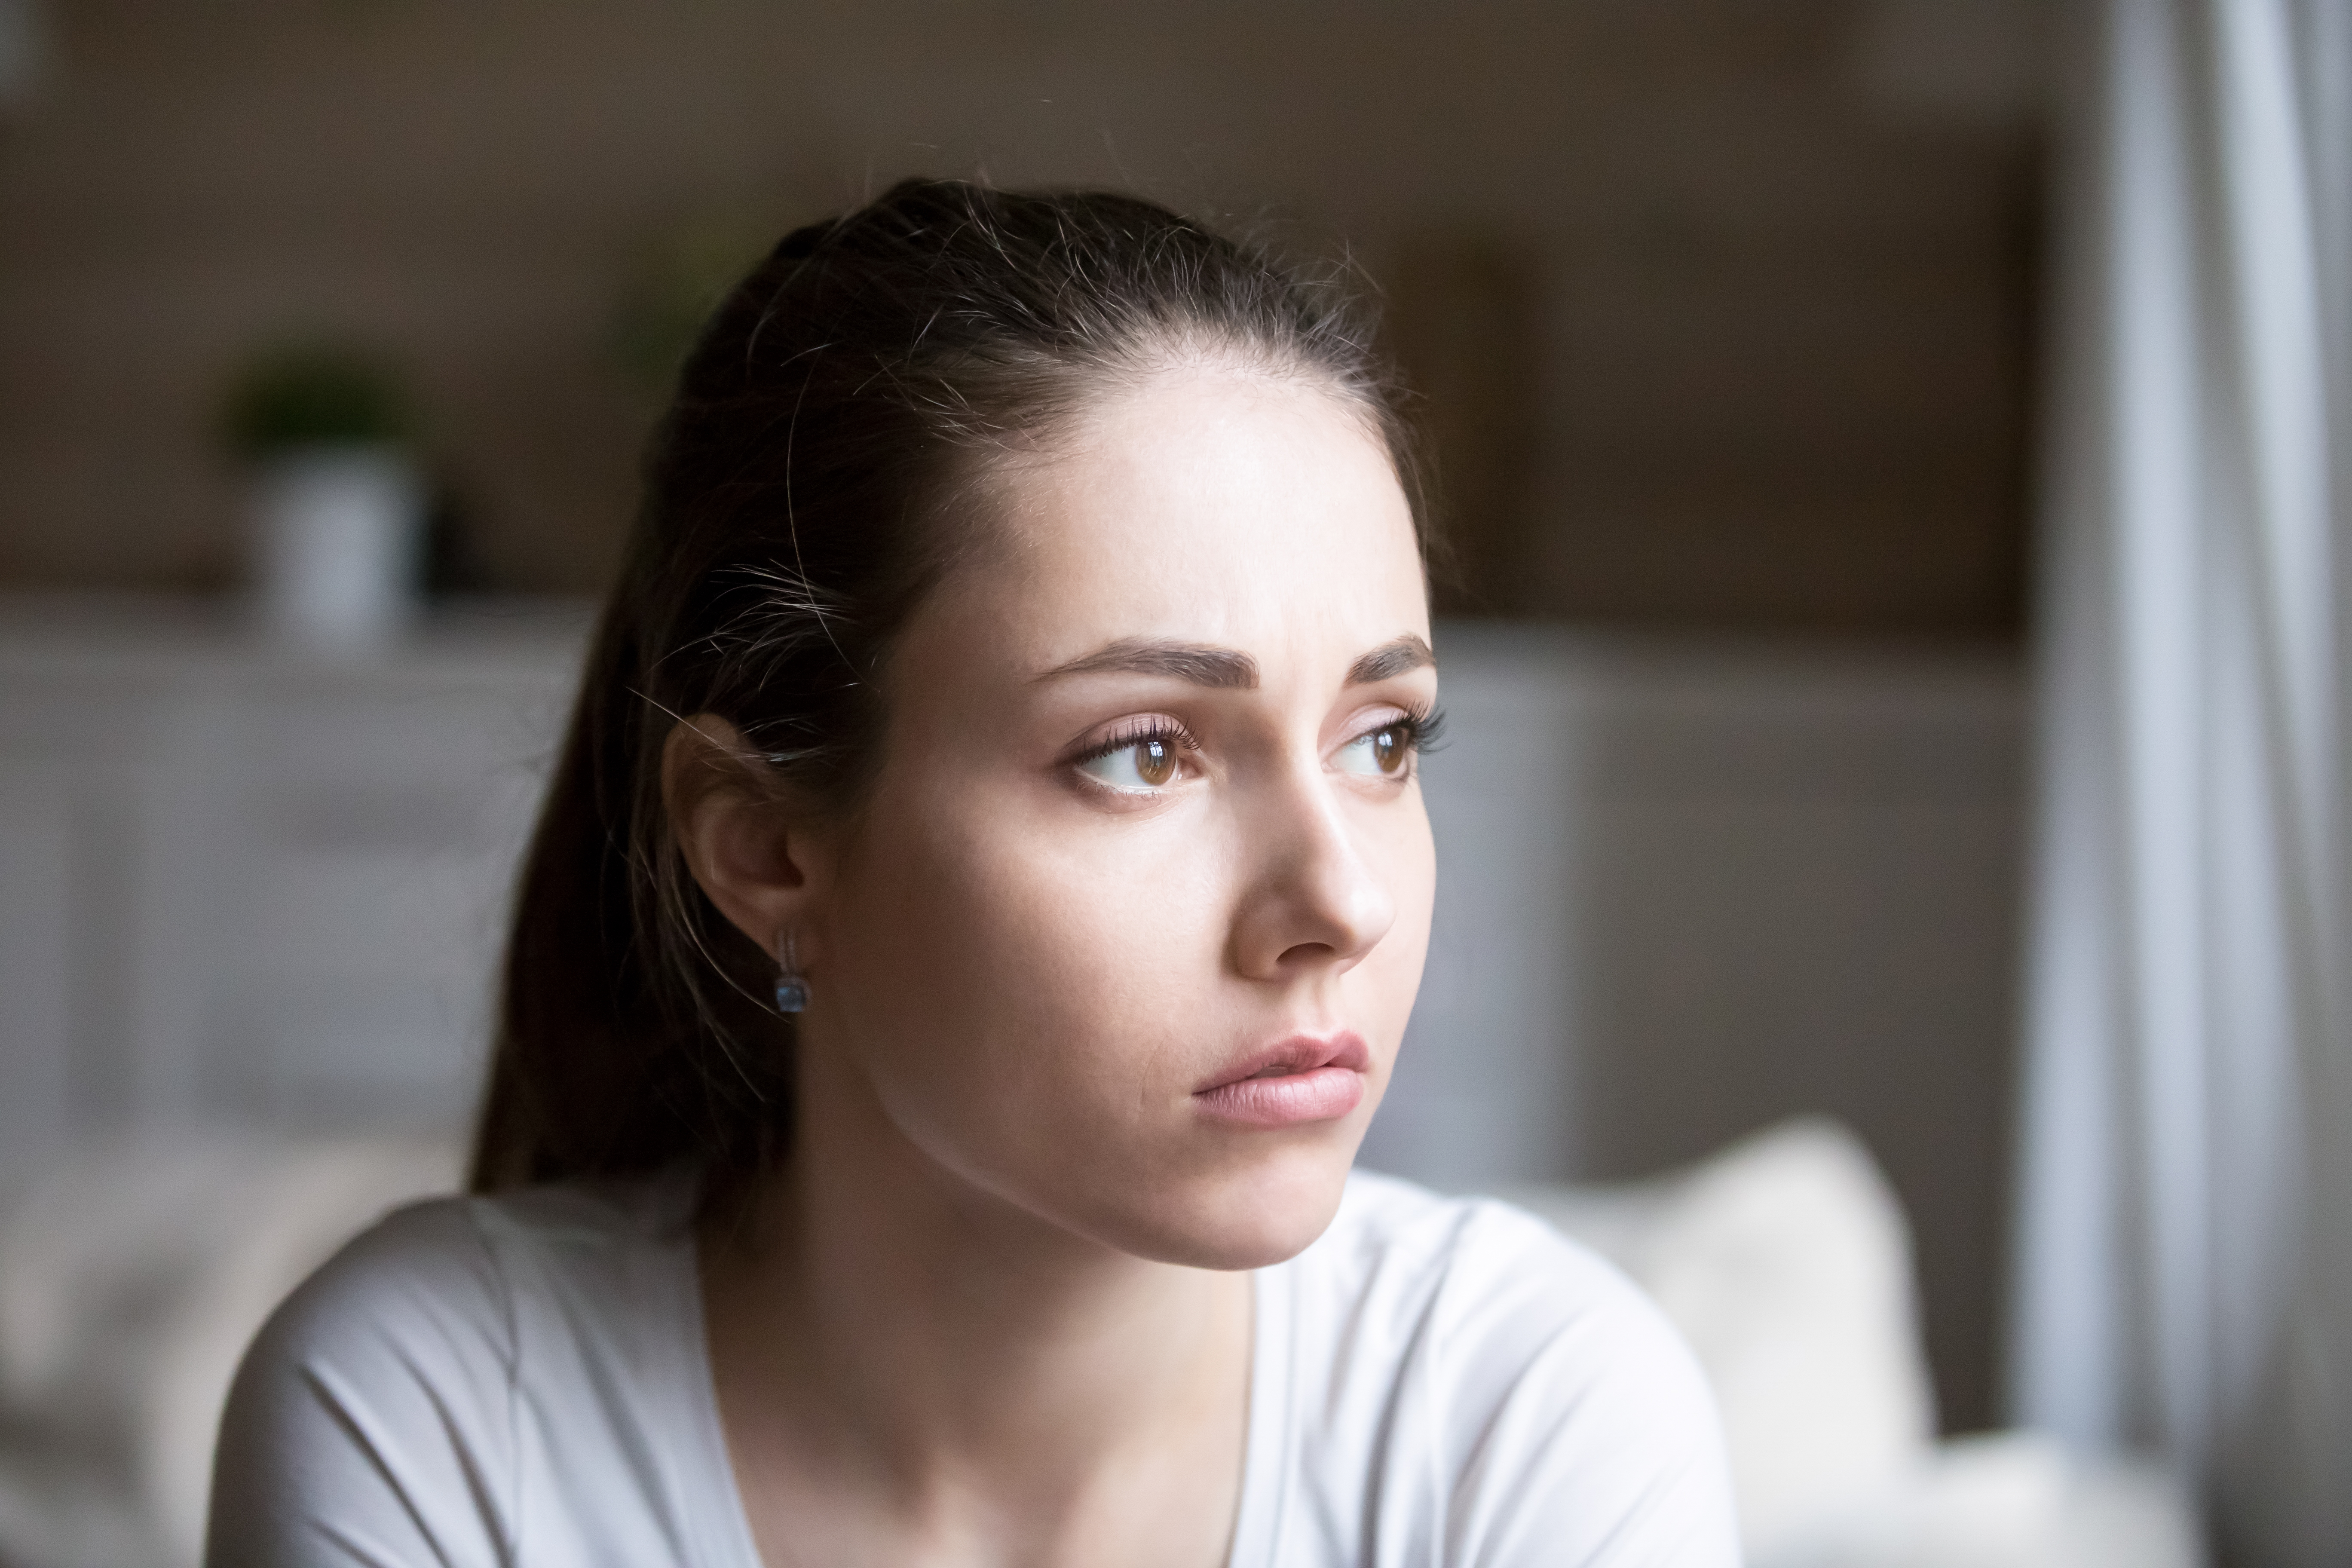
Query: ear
755, 858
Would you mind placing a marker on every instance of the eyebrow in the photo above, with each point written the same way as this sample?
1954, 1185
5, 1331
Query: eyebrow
1229, 669
1392, 659
1201, 664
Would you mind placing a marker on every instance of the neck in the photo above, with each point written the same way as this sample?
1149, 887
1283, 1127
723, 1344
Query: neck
930, 1342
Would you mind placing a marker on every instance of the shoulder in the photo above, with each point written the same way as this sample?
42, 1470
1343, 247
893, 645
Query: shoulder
1500, 1384
383, 1397
374, 1403
456, 1283
423, 1301
434, 1269
1499, 1286
1482, 1268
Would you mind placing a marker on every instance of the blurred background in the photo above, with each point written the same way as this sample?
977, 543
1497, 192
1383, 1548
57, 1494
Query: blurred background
1724, 306
1729, 315
1722, 309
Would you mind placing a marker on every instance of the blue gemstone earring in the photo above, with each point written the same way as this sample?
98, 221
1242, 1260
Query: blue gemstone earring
792, 985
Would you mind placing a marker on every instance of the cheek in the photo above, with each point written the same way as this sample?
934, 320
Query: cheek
1032, 994
1022, 981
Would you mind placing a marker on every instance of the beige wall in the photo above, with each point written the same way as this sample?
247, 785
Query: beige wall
1765, 334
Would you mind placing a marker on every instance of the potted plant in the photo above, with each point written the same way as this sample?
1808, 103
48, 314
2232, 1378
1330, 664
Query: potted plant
338, 500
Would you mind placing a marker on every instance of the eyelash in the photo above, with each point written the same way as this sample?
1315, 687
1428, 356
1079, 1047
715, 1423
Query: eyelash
1424, 727
1147, 729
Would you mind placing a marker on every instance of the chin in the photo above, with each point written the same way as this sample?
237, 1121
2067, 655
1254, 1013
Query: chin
1246, 1214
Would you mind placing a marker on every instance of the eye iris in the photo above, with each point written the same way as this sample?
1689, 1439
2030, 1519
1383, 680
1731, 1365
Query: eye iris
1387, 749
1155, 761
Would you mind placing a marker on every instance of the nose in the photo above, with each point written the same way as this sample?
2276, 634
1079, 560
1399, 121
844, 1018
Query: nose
1313, 902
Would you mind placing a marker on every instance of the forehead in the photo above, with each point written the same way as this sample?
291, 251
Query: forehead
1213, 503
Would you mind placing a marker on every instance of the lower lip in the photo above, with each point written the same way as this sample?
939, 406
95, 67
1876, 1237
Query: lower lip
1319, 1094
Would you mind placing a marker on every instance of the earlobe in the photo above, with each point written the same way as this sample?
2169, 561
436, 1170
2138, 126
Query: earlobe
737, 836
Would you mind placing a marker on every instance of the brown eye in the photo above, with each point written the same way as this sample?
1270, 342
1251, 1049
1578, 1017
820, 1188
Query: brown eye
1385, 753
1144, 762
1155, 761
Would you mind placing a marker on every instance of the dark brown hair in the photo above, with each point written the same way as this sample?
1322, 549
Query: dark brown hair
797, 509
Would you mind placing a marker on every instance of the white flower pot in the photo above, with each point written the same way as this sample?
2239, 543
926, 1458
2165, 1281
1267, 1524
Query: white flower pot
340, 543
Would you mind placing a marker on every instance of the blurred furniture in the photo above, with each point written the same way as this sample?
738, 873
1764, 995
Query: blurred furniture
1785, 1259
241, 882
1683, 879
133, 1274
250, 904
1689, 887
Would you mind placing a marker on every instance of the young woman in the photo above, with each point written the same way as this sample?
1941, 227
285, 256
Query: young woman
973, 920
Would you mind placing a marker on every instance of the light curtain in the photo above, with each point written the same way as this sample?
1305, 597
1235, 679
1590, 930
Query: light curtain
2184, 1208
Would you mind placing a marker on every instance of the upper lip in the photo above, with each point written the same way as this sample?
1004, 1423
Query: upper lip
1294, 1054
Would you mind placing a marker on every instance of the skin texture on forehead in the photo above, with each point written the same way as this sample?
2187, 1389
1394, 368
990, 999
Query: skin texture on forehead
1146, 472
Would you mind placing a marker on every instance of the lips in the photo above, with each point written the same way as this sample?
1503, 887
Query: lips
1304, 1079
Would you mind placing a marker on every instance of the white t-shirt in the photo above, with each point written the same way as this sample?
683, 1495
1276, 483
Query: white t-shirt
521, 1380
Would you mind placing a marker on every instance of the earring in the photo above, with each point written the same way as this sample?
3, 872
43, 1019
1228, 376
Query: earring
792, 985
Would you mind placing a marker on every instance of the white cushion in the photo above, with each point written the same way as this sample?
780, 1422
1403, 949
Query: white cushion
132, 1278
1786, 1262
2010, 1499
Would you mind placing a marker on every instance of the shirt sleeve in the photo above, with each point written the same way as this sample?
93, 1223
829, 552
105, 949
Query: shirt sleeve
372, 1422
1587, 1435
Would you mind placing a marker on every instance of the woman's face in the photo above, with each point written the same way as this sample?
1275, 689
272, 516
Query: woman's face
1128, 931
